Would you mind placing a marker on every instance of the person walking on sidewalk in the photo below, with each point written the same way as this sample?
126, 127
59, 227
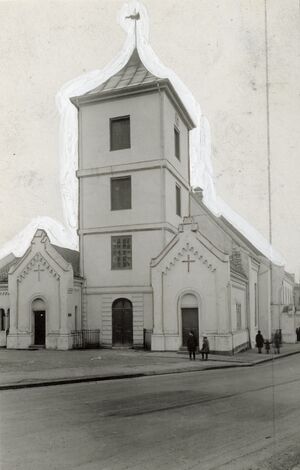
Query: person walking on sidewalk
205, 348
192, 344
259, 339
267, 346
276, 342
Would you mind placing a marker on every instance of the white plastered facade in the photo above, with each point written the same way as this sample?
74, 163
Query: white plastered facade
42, 281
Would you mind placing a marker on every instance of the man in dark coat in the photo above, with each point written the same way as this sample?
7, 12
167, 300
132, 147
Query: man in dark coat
192, 344
259, 339
276, 342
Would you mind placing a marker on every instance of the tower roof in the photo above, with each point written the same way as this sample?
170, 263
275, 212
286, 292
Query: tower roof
134, 77
133, 73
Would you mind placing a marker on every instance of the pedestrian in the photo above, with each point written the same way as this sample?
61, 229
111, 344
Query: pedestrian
192, 345
276, 342
298, 333
259, 339
205, 348
267, 346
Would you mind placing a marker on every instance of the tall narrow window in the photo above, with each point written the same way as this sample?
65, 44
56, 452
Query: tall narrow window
120, 133
121, 252
238, 307
120, 193
177, 143
178, 200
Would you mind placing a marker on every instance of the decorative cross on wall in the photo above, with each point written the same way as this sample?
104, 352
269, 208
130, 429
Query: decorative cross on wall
39, 270
188, 261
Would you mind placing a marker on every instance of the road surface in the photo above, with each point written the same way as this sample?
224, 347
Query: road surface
241, 418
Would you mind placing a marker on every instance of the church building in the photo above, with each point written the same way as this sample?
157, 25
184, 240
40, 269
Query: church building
153, 262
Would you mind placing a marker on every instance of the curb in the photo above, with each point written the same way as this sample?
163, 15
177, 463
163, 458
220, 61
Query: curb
102, 378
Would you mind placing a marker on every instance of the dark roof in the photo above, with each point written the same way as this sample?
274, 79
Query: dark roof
132, 74
4, 269
229, 229
71, 256
134, 78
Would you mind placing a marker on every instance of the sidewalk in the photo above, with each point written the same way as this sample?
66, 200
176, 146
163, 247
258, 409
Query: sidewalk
33, 368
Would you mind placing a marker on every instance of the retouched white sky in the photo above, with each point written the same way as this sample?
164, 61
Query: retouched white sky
217, 48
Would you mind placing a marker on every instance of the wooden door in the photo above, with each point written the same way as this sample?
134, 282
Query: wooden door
39, 327
189, 323
122, 324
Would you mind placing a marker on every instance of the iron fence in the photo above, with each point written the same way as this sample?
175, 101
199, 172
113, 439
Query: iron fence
86, 339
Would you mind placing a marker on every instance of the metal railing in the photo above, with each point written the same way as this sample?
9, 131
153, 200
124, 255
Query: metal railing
86, 339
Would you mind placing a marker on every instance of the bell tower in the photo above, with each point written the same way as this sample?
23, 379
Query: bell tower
133, 176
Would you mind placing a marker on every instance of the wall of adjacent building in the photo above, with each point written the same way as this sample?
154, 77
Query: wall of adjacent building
254, 305
264, 300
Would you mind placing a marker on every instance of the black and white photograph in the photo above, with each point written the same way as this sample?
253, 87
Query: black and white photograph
150, 235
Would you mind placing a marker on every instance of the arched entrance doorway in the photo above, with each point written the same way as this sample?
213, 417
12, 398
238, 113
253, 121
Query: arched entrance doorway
189, 317
122, 324
39, 322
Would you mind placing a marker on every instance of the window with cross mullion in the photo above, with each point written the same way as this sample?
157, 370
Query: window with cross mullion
121, 252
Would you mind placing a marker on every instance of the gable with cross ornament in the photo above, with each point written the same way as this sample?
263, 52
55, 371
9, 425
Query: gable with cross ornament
40, 258
187, 250
39, 265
